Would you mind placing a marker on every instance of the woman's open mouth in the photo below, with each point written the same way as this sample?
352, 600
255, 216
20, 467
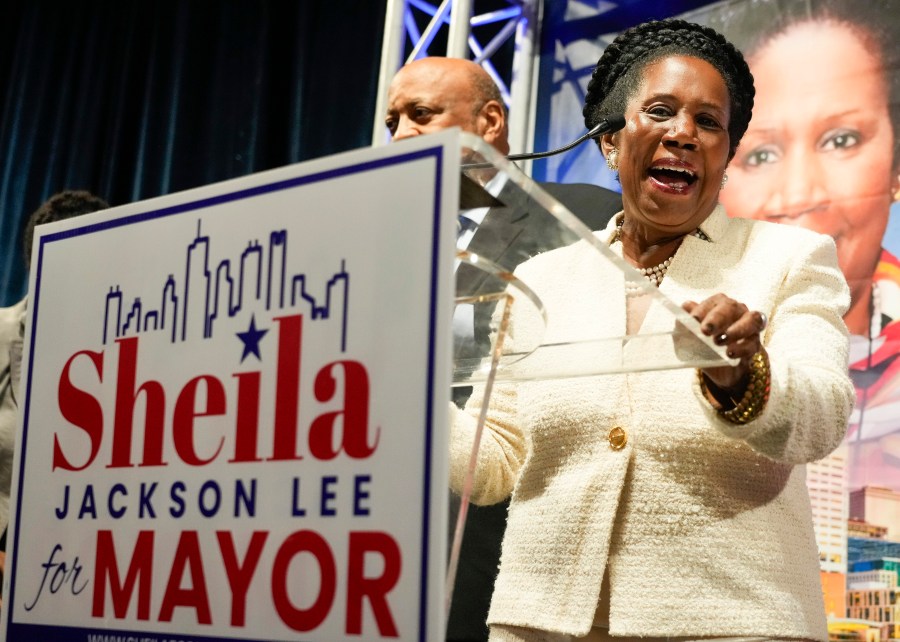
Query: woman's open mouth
673, 179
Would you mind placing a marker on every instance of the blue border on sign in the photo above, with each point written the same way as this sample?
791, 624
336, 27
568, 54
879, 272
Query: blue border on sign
29, 631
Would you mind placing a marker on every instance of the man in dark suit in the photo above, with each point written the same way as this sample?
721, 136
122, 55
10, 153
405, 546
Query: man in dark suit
426, 96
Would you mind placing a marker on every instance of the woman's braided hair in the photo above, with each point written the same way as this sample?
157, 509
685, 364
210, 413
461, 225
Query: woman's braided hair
619, 71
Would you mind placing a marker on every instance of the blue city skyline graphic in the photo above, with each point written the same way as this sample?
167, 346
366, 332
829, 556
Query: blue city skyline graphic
190, 305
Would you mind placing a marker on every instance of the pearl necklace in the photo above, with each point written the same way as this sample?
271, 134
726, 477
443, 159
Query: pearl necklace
656, 273
653, 274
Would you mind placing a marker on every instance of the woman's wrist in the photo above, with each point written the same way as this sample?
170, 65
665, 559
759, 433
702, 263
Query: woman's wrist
720, 397
745, 402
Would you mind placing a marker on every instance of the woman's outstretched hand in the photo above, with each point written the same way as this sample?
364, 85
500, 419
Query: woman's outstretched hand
731, 324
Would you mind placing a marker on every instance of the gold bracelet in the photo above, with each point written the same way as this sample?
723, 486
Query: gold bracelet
755, 397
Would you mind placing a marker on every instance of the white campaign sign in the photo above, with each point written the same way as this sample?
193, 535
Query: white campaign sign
234, 410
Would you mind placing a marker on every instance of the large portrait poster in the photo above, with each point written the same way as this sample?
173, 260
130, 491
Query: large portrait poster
823, 152
234, 421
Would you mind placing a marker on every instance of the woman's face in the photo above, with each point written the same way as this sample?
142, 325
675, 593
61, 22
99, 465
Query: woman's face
674, 147
819, 150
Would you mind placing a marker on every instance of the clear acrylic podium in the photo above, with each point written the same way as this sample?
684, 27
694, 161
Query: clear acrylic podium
505, 329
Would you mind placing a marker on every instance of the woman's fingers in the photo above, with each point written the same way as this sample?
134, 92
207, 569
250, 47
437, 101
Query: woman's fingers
733, 325
725, 319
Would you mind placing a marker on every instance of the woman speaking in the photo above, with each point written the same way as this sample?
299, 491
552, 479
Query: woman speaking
671, 505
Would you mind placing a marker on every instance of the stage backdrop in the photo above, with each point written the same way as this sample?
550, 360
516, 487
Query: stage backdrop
241, 432
821, 152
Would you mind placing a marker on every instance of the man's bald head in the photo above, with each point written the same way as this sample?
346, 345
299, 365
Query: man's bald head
431, 94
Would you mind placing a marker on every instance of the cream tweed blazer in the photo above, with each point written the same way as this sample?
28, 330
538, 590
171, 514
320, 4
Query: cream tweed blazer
704, 526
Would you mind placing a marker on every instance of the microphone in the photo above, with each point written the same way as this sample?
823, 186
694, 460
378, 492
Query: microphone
607, 125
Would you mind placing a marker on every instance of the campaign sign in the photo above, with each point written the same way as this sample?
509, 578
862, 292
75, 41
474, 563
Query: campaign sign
235, 405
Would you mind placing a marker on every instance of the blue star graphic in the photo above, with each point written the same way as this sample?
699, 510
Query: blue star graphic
251, 339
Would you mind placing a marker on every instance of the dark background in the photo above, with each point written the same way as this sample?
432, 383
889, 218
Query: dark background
134, 98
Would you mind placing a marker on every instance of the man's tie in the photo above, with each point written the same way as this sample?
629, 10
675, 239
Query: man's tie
465, 224
465, 230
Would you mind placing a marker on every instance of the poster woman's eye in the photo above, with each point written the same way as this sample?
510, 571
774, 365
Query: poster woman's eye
840, 139
763, 155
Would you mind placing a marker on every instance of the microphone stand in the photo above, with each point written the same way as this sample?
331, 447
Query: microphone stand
605, 126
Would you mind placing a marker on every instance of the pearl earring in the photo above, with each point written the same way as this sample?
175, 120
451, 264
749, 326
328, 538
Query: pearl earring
612, 159
724, 180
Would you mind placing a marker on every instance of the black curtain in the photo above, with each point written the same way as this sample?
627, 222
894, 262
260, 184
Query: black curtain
135, 98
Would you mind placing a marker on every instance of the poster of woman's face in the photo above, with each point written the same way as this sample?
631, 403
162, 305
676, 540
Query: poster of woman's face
821, 152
